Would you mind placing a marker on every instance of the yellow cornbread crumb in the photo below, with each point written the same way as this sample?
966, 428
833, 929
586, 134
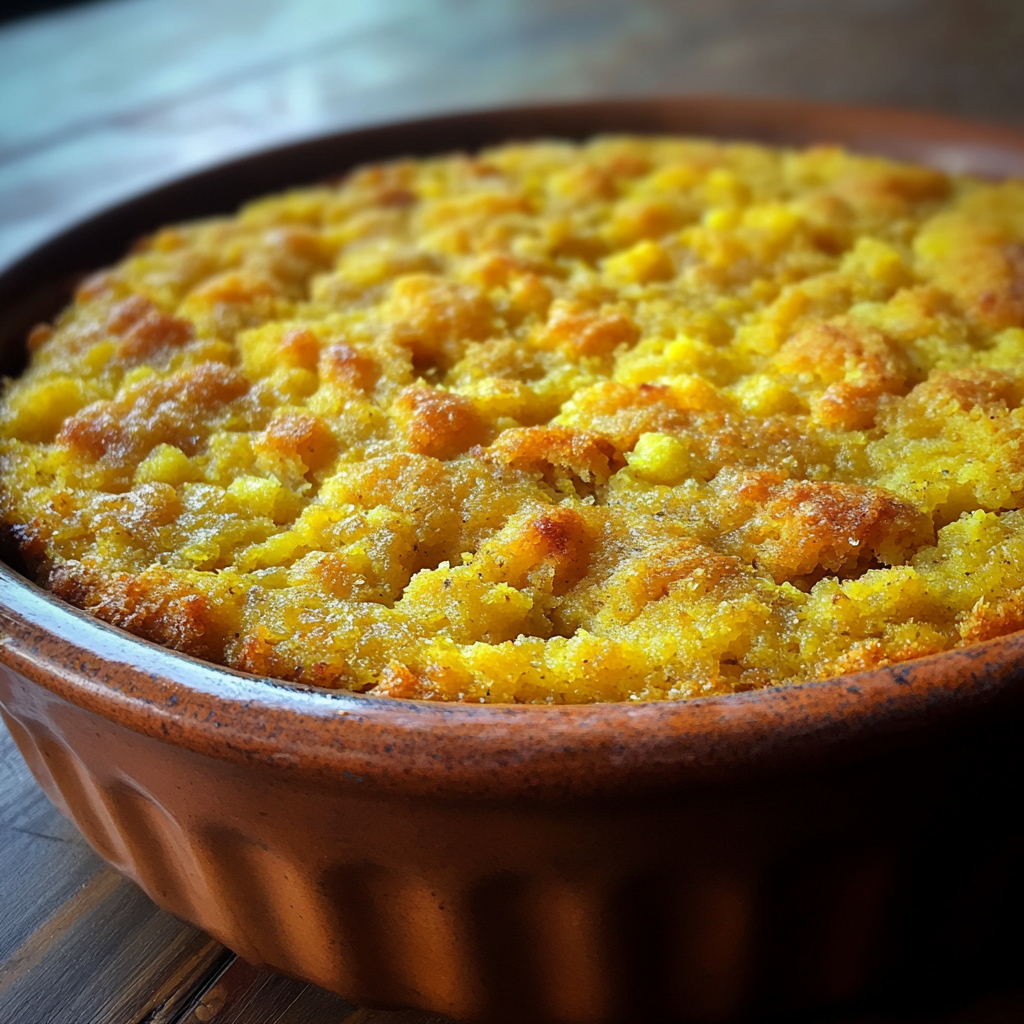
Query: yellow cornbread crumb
660, 458
645, 418
168, 465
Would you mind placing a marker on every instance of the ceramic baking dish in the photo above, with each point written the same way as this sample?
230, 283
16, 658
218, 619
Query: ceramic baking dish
767, 851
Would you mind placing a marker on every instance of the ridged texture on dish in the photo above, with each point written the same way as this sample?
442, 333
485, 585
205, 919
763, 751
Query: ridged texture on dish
641, 419
693, 904
519, 923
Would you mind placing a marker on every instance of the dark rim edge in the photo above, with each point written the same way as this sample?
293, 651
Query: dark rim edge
393, 743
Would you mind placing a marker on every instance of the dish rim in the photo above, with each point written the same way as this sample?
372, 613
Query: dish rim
393, 744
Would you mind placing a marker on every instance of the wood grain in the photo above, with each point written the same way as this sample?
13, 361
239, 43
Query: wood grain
244, 995
79, 944
107, 98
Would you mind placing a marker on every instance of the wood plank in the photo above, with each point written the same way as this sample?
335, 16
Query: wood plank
79, 944
245, 995
45, 862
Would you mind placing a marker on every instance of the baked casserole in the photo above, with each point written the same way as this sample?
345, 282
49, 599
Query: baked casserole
639, 419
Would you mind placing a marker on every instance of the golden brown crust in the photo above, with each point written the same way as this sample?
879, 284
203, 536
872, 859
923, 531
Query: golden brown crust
145, 330
986, 620
638, 419
856, 366
435, 318
803, 529
160, 411
437, 423
547, 550
300, 439
556, 452
577, 331
341, 363
152, 604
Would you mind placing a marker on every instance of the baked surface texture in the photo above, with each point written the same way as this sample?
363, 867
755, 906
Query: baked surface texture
638, 419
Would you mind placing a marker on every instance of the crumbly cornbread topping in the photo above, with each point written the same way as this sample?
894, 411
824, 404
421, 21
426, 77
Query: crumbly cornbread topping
639, 419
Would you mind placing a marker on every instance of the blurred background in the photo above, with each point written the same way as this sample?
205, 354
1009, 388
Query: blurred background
102, 99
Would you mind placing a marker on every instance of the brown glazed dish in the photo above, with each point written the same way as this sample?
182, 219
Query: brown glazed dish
735, 856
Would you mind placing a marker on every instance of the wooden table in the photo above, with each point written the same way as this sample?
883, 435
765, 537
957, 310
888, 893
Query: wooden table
101, 100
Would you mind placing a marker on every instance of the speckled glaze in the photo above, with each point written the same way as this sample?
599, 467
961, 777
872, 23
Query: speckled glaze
727, 857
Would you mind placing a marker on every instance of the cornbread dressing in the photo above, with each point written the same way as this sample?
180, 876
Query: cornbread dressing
645, 418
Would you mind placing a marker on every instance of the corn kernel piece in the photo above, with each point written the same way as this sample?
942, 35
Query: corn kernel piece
1007, 351
272, 347
877, 260
137, 375
279, 550
99, 355
646, 261
762, 395
36, 411
759, 339
723, 187
693, 392
775, 219
660, 459
676, 178
292, 383
256, 493
165, 464
722, 218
